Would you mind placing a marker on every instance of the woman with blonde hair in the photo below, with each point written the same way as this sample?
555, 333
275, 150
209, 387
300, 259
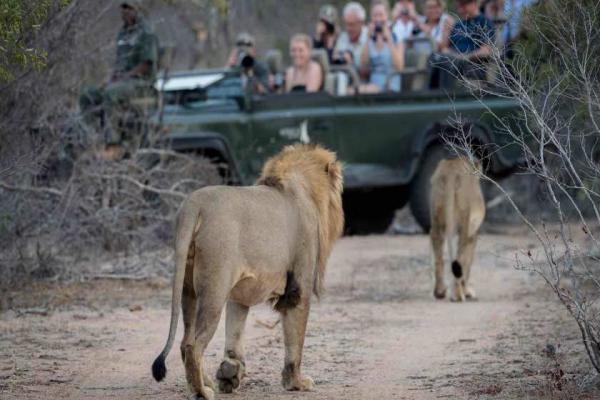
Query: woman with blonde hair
437, 24
384, 53
304, 75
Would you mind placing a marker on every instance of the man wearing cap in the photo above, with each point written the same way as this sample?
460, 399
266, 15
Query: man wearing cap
133, 73
326, 32
243, 56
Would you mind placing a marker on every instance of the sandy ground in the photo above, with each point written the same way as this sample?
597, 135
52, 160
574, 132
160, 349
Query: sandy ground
377, 334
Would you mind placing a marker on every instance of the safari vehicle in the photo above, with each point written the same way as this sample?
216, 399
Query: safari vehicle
390, 143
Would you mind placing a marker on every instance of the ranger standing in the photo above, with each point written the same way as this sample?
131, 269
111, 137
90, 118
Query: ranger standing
133, 76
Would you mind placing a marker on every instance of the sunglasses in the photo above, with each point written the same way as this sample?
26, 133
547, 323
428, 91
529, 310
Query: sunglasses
244, 43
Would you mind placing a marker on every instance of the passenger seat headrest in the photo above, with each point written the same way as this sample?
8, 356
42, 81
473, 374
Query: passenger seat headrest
320, 56
274, 60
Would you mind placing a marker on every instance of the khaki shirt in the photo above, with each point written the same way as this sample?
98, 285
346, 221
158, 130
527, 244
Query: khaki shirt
136, 44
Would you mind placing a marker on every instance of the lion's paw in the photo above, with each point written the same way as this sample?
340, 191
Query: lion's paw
470, 293
440, 292
457, 297
230, 374
304, 384
209, 394
307, 384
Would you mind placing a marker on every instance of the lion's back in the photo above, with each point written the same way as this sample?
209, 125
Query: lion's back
255, 220
456, 189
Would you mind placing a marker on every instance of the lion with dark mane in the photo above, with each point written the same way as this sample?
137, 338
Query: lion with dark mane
241, 246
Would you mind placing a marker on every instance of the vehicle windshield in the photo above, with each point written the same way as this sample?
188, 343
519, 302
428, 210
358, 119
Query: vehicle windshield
206, 86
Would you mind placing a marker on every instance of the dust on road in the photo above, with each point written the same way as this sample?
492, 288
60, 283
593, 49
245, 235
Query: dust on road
377, 334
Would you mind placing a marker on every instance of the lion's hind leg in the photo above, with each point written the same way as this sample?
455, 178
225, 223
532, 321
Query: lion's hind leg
465, 259
461, 267
294, 330
233, 367
437, 236
210, 301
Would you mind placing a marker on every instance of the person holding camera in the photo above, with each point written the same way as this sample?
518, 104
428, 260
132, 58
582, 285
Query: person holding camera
326, 31
253, 71
350, 43
406, 20
384, 53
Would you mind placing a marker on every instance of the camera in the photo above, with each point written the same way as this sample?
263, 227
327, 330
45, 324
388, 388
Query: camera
245, 60
329, 28
378, 30
404, 12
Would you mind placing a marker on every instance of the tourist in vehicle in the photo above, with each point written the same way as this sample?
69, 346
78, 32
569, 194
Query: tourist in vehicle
243, 56
437, 23
469, 45
383, 55
470, 37
305, 75
352, 40
406, 21
326, 30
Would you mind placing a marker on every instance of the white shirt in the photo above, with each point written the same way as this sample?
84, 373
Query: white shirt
403, 30
437, 32
344, 44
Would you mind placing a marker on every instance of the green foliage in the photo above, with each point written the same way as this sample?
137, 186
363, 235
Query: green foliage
558, 33
20, 20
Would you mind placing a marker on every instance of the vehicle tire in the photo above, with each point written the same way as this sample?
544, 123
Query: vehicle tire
420, 187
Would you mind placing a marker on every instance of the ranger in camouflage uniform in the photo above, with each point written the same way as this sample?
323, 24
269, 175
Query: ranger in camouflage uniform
133, 75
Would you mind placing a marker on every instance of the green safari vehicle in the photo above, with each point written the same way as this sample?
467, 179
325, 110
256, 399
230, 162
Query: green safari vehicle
390, 143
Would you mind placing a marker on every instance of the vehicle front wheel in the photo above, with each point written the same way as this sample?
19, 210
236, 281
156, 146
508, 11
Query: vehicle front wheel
420, 187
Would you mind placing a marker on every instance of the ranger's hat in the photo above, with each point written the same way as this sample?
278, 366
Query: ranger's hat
244, 39
135, 4
329, 14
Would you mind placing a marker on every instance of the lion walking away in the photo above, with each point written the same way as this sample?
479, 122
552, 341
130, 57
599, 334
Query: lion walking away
241, 246
457, 209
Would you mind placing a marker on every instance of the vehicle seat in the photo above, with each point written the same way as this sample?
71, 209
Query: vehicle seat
344, 77
321, 57
274, 60
416, 55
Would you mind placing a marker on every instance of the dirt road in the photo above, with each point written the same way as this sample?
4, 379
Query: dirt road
377, 334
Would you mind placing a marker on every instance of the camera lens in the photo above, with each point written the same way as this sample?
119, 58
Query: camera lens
246, 61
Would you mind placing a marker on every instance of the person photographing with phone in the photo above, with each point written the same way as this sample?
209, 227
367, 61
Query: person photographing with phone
406, 20
384, 53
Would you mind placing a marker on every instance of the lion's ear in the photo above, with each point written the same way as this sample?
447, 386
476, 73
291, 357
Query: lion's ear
271, 181
333, 170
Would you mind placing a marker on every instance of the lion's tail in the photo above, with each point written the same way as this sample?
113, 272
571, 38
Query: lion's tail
450, 219
187, 221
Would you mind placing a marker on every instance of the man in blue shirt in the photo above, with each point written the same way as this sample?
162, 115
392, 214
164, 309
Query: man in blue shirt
469, 43
471, 37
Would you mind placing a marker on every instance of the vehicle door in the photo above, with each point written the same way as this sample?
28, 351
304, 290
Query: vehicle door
283, 119
376, 134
